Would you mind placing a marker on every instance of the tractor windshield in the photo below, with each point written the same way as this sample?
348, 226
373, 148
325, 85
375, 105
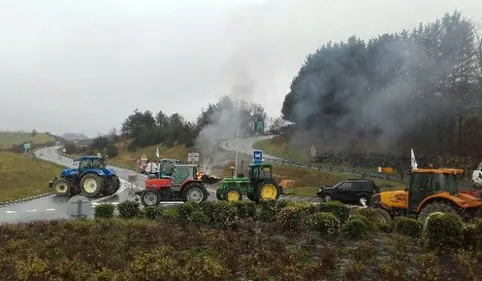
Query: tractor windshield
451, 183
97, 163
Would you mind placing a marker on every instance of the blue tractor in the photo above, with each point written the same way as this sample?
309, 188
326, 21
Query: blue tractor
90, 179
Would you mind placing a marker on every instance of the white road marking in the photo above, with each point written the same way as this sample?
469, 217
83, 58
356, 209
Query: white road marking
10, 212
30, 210
49, 209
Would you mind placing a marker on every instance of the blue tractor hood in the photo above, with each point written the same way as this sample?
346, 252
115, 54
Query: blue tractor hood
69, 172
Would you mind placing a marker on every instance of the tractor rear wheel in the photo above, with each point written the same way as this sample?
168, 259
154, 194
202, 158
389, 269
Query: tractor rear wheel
91, 185
61, 187
113, 184
437, 208
268, 190
195, 192
233, 195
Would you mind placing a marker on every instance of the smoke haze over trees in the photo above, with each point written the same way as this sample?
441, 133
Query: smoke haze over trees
218, 121
419, 88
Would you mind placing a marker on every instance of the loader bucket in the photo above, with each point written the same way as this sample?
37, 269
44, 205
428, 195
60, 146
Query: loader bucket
208, 179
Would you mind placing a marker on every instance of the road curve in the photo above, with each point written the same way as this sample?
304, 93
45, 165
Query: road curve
55, 207
245, 146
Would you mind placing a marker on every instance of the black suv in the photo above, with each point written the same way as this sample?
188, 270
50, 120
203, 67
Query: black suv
350, 191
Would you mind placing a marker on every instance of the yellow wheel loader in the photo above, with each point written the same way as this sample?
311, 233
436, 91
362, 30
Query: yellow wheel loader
429, 191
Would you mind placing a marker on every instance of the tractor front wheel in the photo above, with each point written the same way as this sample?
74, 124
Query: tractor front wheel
233, 195
150, 198
61, 187
195, 192
91, 185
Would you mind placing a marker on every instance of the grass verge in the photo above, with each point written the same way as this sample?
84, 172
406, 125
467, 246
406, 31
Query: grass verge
7, 139
23, 176
278, 147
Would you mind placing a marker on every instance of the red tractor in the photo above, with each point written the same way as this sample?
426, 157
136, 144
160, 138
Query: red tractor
185, 184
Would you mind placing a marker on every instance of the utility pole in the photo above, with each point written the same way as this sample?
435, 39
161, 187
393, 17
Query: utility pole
236, 158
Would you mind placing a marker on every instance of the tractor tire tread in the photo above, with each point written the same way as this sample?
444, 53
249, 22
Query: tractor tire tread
100, 183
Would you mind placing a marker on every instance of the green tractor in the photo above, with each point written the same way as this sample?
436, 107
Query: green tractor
257, 186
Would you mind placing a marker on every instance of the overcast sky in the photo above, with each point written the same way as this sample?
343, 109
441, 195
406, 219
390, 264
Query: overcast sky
84, 66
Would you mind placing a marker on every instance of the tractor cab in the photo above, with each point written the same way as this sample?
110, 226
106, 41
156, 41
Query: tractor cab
89, 162
428, 182
260, 172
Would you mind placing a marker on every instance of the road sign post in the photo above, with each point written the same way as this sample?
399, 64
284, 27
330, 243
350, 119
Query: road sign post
257, 156
79, 207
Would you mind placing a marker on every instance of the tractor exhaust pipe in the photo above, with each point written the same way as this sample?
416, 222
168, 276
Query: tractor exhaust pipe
242, 162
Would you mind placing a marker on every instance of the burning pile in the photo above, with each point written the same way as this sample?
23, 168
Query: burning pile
207, 179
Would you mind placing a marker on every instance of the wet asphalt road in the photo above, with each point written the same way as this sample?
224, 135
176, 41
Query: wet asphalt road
55, 207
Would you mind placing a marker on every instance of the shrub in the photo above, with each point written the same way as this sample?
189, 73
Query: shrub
198, 217
224, 213
185, 210
128, 209
245, 209
291, 218
280, 204
376, 215
408, 227
307, 208
151, 212
470, 234
104, 210
326, 224
444, 232
170, 213
337, 208
354, 229
266, 211
371, 226
207, 207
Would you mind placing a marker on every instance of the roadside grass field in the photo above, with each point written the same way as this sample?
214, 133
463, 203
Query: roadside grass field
128, 160
23, 176
7, 139
308, 181
279, 148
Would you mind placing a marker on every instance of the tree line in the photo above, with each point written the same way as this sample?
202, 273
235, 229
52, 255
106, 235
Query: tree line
418, 88
146, 128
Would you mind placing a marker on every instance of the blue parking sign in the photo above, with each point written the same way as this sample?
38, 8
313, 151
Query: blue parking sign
257, 156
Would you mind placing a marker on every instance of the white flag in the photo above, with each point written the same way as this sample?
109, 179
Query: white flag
157, 152
413, 161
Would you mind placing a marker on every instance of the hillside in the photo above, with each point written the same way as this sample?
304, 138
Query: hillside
22, 176
7, 139
74, 136
128, 160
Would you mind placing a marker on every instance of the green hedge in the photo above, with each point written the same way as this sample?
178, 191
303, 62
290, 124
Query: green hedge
408, 227
326, 224
104, 211
340, 210
444, 232
355, 229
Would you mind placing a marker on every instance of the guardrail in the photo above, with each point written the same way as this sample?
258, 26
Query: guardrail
328, 168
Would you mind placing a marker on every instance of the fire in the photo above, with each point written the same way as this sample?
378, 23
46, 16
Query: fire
199, 175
